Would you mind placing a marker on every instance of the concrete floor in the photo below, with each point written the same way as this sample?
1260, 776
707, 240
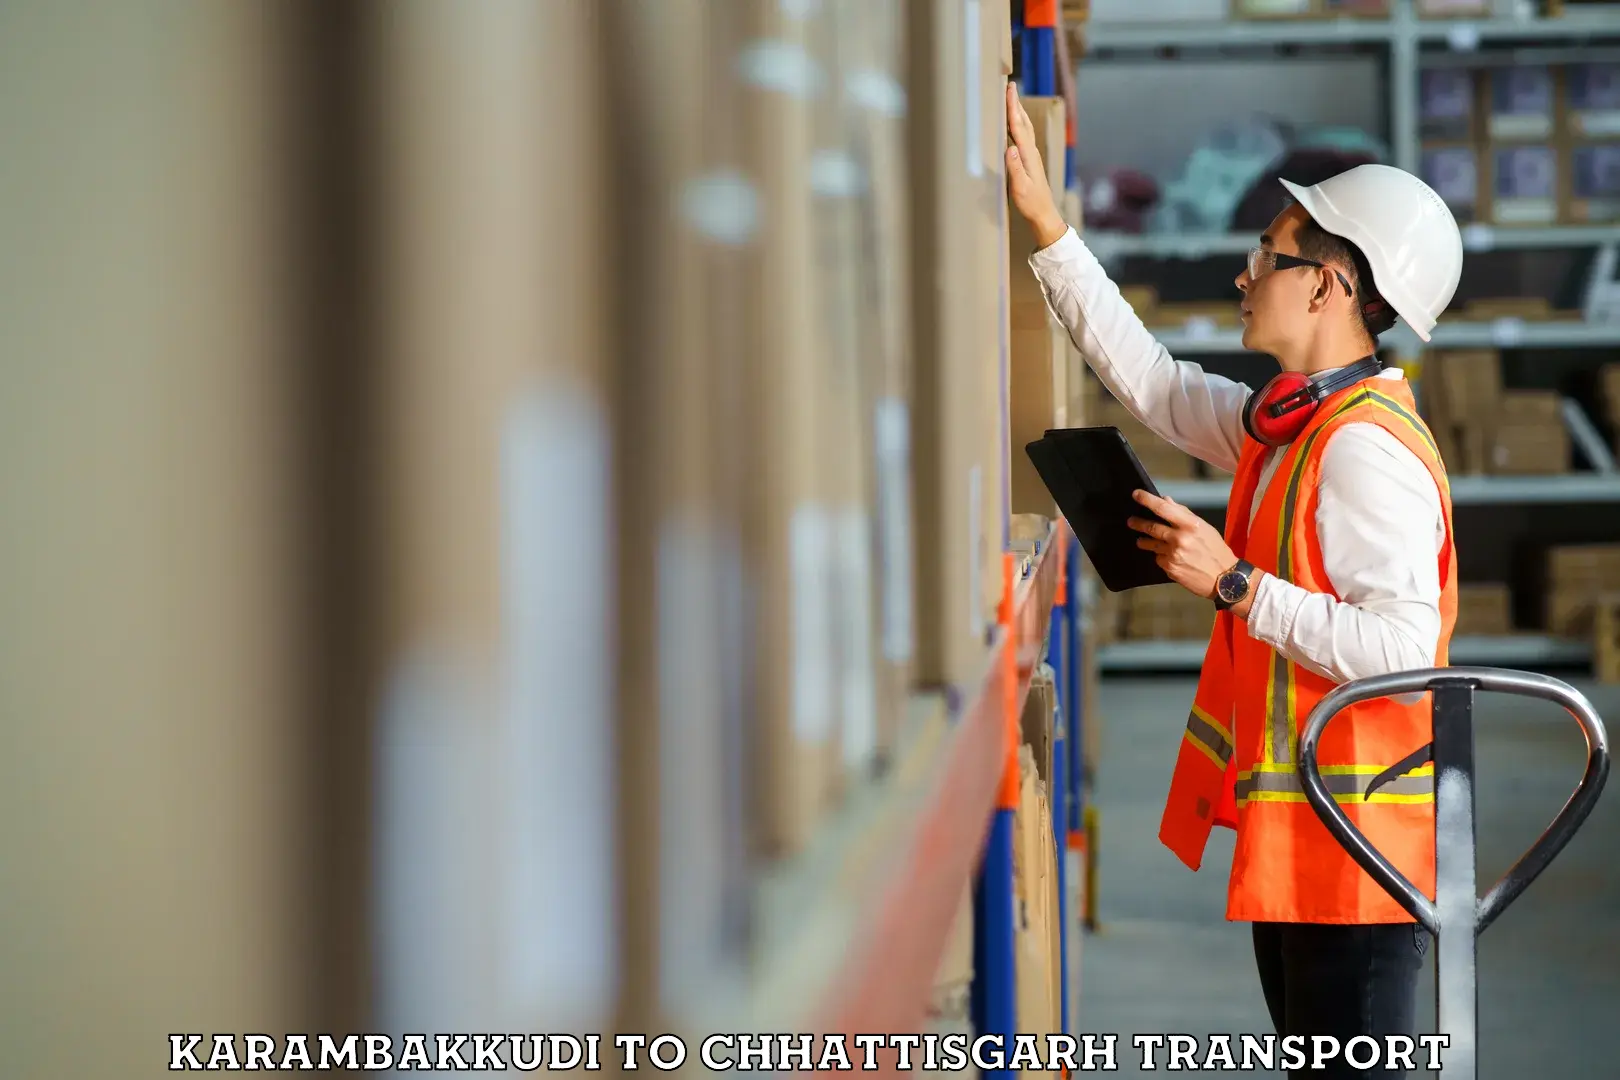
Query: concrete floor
1164, 960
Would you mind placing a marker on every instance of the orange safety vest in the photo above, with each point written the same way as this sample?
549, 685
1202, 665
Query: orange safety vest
1236, 765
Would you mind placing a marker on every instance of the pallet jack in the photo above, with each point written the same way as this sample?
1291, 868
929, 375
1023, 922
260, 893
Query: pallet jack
1456, 916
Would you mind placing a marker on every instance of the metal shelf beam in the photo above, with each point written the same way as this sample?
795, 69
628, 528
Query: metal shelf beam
1502, 334
1514, 650
1461, 35
1570, 488
1476, 238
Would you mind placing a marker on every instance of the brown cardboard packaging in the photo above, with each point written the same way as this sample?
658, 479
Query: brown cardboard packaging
1529, 449
1524, 185
792, 530
991, 302
950, 461
1035, 898
1484, 609
1606, 640
953, 981
1592, 101
1036, 724
1040, 360
1521, 103
1575, 576
873, 38
1591, 177
1609, 391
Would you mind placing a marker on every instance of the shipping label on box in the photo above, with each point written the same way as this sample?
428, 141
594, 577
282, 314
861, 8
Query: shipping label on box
1593, 95
1523, 103
1446, 103
1524, 186
1594, 182
1453, 173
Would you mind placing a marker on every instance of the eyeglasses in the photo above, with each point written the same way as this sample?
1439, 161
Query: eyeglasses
1263, 260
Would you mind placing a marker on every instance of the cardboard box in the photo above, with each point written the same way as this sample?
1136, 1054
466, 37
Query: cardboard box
950, 458
1609, 392
874, 44
953, 980
792, 536
1544, 407
1606, 640
1592, 100
1520, 103
1593, 183
1463, 386
1524, 184
1454, 171
1533, 449
1591, 568
1484, 609
1040, 368
1036, 907
1448, 104
1037, 723
991, 300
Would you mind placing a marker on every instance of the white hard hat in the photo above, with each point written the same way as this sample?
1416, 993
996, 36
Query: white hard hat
1405, 230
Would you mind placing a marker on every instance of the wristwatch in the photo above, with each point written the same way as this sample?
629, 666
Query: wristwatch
1232, 587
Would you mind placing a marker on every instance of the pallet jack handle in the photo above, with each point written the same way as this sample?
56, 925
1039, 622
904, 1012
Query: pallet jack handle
1457, 915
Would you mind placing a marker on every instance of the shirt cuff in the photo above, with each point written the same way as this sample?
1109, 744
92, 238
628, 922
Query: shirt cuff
1064, 249
1276, 605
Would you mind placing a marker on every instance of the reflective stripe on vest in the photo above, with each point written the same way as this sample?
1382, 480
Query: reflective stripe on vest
1238, 762
1282, 726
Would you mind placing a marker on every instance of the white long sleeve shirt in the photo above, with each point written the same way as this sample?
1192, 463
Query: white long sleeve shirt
1379, 519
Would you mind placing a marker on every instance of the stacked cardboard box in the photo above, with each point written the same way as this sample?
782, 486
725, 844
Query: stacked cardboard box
871, 40
792, 533
958, 256
1484, 609
1040, 346
1576, 576
1039, 995
1609, 398
1530, 436
1531, 144
1482, 428
1606, 640
1167, 613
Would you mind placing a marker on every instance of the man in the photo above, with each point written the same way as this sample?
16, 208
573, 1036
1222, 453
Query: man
1336, 563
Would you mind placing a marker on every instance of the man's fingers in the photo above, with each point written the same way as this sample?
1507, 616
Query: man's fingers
1019, 125
1151, 528
1170, 511
1158, 547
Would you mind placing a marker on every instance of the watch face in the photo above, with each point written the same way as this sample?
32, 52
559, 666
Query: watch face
1232, 586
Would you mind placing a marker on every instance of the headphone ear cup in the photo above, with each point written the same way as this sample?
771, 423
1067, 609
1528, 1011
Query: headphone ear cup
1281, 430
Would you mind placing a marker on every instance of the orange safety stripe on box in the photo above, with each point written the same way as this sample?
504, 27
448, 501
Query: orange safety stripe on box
1041, 14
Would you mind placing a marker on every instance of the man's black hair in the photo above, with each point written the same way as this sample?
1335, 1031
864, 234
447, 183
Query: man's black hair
1319, 245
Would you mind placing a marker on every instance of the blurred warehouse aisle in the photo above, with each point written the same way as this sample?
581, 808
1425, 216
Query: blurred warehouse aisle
1165, 961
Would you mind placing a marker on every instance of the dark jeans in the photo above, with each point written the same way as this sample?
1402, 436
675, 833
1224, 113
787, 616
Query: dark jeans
1342, 981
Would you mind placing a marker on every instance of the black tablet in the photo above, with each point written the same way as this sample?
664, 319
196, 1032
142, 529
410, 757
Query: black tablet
1091, 473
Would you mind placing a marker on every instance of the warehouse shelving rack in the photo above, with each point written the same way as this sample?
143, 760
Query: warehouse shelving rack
1410, 43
